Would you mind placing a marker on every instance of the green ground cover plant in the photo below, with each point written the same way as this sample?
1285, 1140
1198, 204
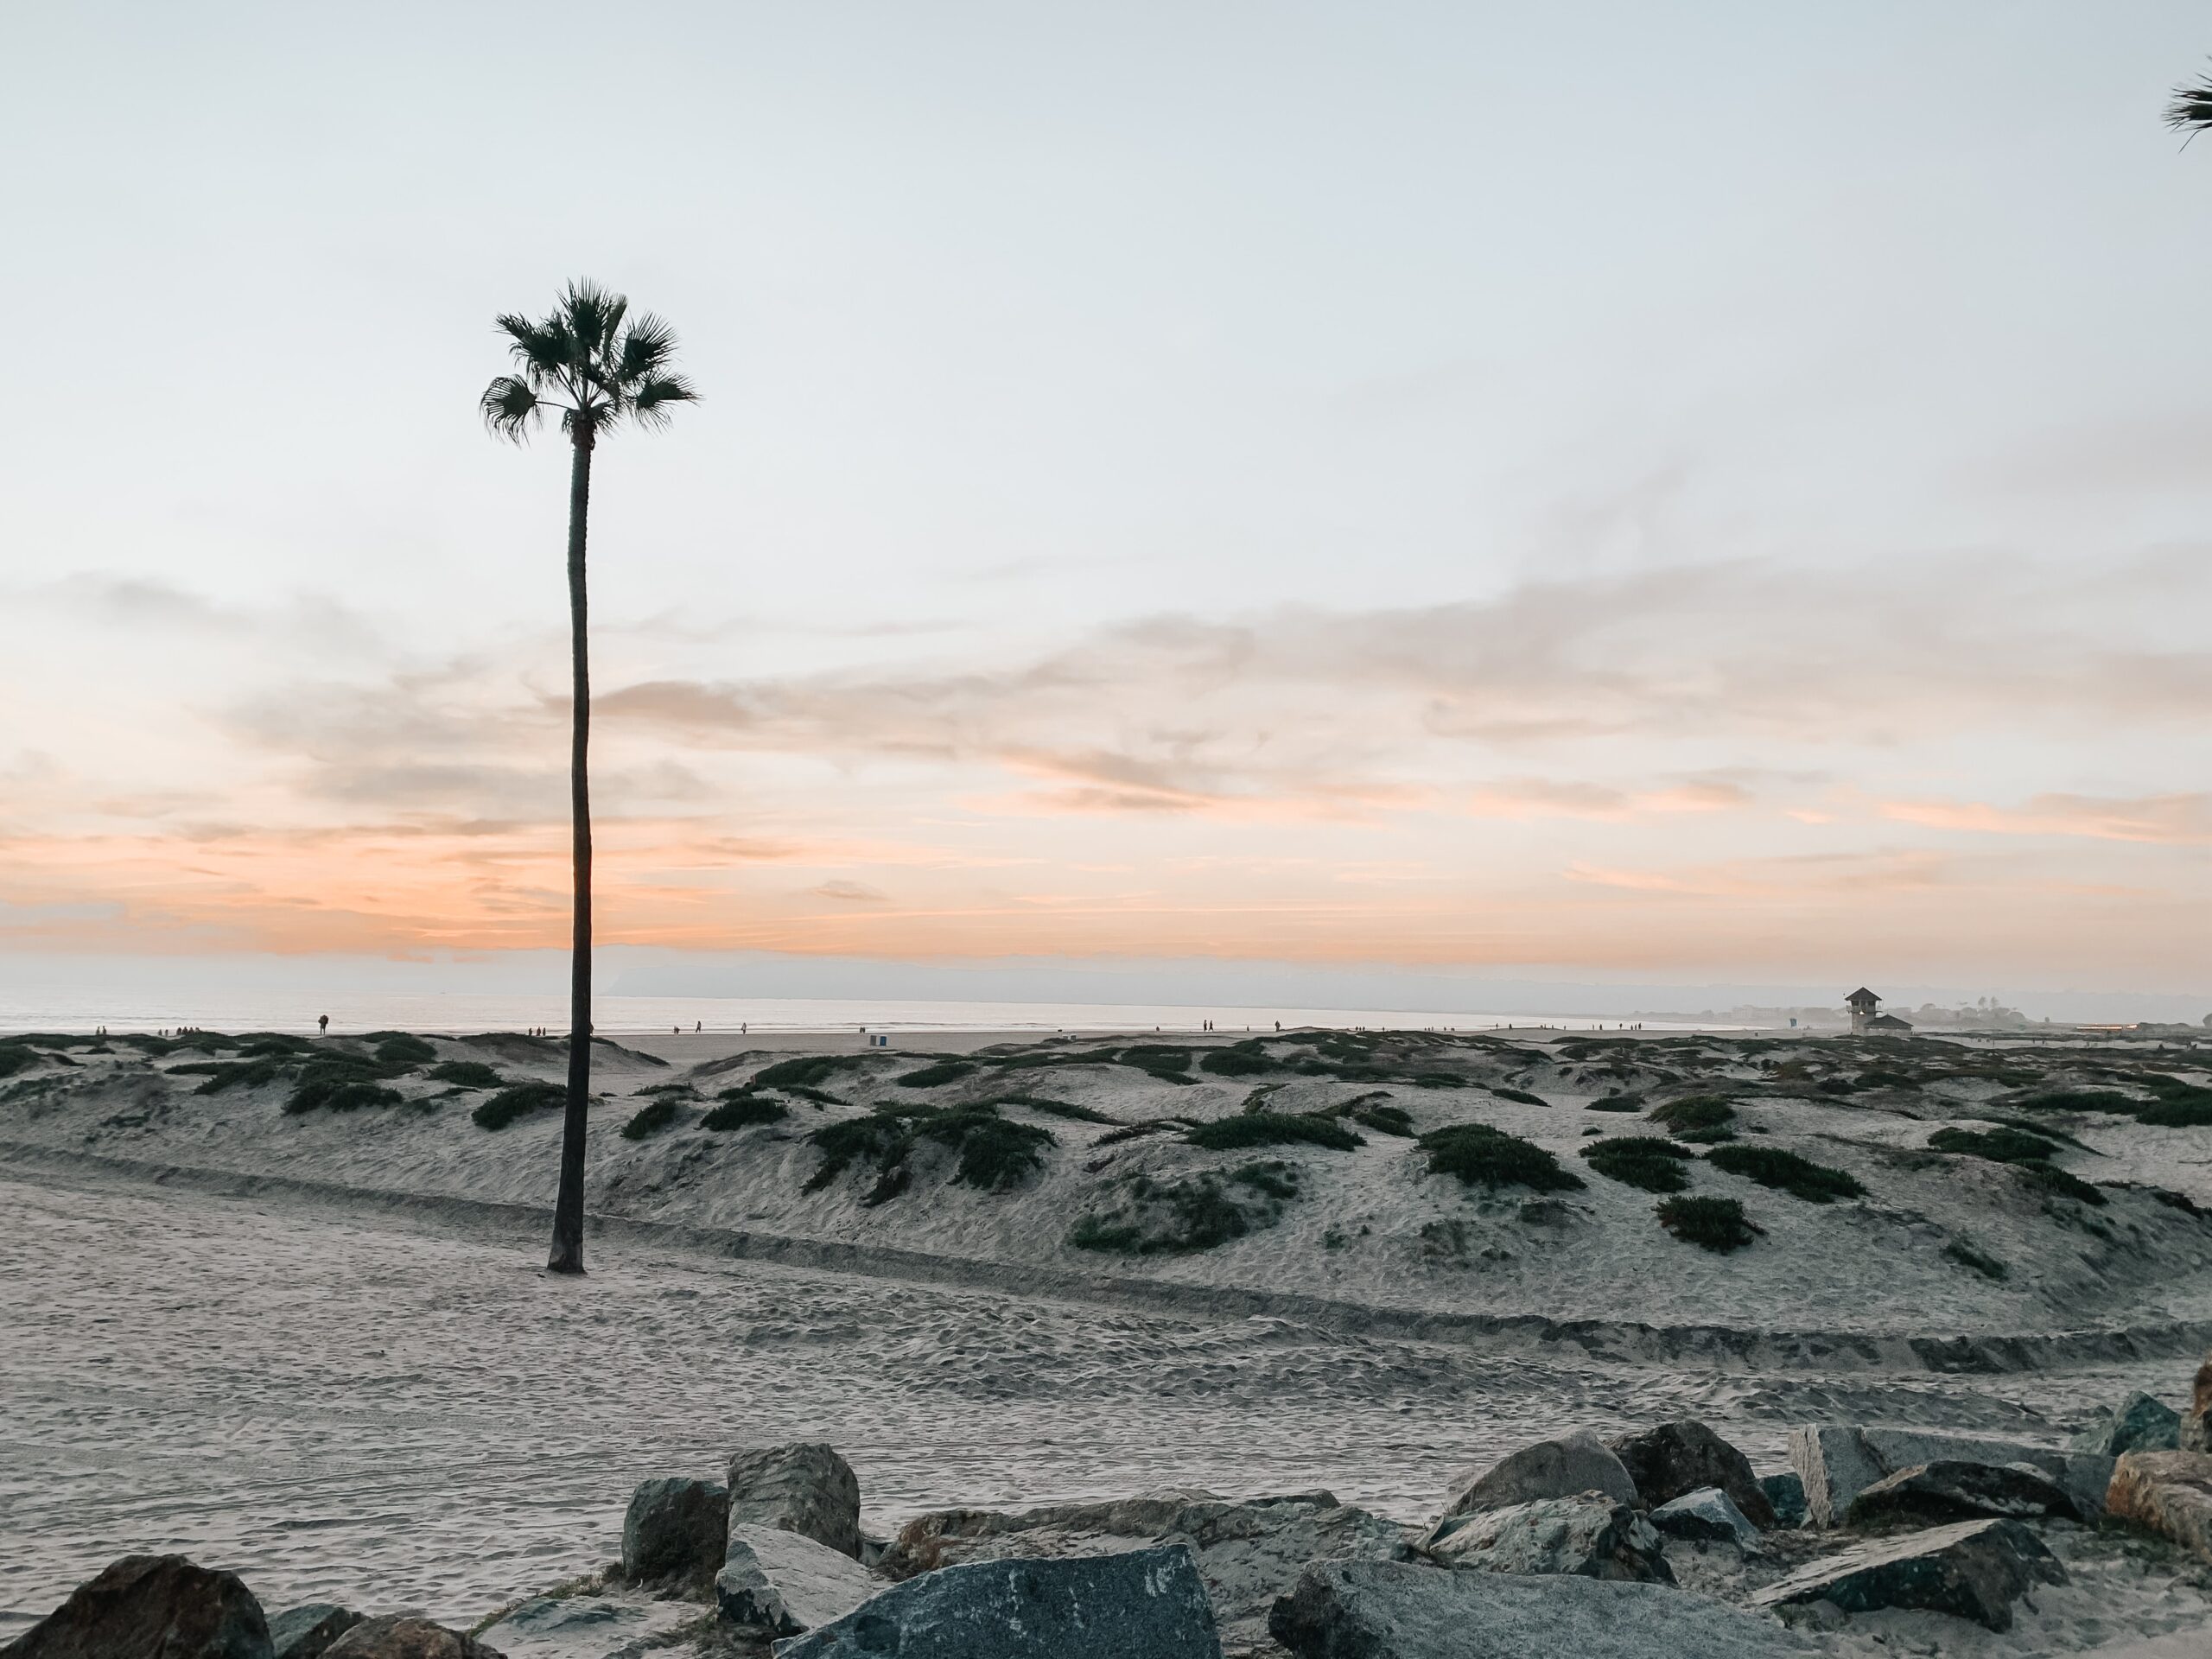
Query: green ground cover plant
466, 1074
807, 1071
1786, 1172
935, 1076
993, 1153
2051, 1178
741, 1109
1147, 1126
2003, 1146
321, 1079
1236, 1062
1150, 1218
1968, 1256
1644, 1161
1699, 1119
1521, 1095
652, 1118
1066, 1108
1479, 1155
401, 1048
518, 1101
1715, 1224
1616, 1104
1274, 1129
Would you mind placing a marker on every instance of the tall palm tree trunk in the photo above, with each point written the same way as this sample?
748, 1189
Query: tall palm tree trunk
568, 1205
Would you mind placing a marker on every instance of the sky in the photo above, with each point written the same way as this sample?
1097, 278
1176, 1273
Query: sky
1594, 493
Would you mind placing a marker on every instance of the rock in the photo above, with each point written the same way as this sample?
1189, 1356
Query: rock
1957, 1491
803, 1486
1587, 1536
1837, 1463
675, 1530
150, 1607
1975, 1569
784, 1582
1786, 1491
589, 1627
1249, 1552
1384, 1609
2138, 1423
406, 1637
2194, 1432
2170, 1492
1705, 1518
1146, 1604
305, 1632
1676, 1458
1562, 1468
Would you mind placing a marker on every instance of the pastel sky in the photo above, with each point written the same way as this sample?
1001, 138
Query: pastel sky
1717, 490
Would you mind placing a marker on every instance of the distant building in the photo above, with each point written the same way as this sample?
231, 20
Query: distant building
1865, 1014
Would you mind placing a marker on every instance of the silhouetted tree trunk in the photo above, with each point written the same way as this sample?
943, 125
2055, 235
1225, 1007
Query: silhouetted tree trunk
569, 1204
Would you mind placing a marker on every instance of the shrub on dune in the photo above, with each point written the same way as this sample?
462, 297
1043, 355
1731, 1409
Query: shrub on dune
466, 1074
2003, 1146
1481, 1156
934, 1077
1236, 1062
1699, 1119
1520, 1095
1715, 1224
651, 1119
1616, 1104
401, 1047
1644, 1161
1786, 1172
740, 1110
1066, 1108
1274, 1129
520, 1101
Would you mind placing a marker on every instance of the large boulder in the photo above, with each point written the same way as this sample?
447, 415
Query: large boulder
1838, 1463
406, 1637
1958, 1491
1385, 1610
784, 1582
2170, 1492
1709, 1516
1574, 1464
1146, 1604
2138, 1423
1672, 1459
1249, 1551
307, 1632
803, 1486
151, 1607
1975, 1569
1587, 1537
675, 1530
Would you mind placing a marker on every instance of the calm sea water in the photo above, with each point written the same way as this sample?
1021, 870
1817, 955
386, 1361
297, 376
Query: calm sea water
278, 1011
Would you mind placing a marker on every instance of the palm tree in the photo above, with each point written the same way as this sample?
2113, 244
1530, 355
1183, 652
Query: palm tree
598, 368
2191, 109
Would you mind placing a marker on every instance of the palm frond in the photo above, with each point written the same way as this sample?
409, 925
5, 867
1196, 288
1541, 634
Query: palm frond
591, 315
649, 404
542, 350
2190, 112
645, 352
510, 408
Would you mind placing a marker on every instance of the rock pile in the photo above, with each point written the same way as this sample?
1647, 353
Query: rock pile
1563, 1546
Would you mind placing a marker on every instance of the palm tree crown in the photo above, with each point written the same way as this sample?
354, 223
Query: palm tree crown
2191, 109
590, 361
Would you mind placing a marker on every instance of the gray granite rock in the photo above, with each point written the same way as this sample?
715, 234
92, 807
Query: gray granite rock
1706, 1518
1587, 1537
1975, 1569
675, 1530
1837, 1463
1950, 1491
1148, 1604
406, 1637
784, 1582
1574, 1464
1668, 1459
2138, 1423
1383, 1610
1249, 1550
622, 1623
150, 1607
1785, 1491
306, 1632
803, 1486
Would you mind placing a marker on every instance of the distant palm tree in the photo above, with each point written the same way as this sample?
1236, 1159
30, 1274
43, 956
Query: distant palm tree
2190, 112
597, 372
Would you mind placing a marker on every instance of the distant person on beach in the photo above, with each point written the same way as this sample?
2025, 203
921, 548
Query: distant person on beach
322, 1023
